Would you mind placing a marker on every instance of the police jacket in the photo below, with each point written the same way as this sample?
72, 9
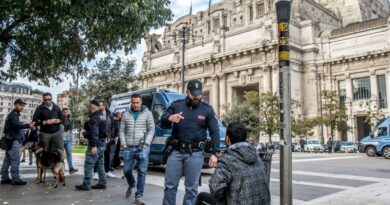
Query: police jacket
42, 113
197, 120
13, 126
93, 130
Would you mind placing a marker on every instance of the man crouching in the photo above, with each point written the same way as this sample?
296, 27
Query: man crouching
240, 176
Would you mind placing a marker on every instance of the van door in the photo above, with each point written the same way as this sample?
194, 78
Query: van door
158, 109
382, 136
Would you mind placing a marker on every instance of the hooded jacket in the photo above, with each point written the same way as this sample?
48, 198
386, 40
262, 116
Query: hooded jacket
132, 131
240, 177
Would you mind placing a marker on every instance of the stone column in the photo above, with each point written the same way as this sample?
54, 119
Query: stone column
222, 95
267, 79
275, 79
388, 87
349, 103
374, 88
215, 95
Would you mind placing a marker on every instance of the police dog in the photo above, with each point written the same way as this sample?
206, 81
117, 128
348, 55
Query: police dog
49, 160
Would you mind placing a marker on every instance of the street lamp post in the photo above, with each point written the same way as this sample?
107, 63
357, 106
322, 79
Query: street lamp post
283, 10
183, 40
185, 33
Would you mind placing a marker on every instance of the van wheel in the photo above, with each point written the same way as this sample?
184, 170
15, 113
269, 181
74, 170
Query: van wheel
386, 152
371, 151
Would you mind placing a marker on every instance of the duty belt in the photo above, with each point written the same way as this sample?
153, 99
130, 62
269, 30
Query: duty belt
190, 147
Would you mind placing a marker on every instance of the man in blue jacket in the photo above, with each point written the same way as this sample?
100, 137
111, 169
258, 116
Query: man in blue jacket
12, 158
189, 119
95, 151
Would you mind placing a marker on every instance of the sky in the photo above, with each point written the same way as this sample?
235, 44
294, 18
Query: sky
179, 8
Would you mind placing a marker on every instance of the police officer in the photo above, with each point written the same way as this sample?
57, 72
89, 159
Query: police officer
95, 151
12, 129
189, 119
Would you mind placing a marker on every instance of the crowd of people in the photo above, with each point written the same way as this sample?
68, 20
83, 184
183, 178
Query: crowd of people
239, 177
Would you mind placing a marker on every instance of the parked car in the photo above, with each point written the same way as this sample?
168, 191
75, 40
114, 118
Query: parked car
158, 101
378, 142
314, 146
349, 147
296, 147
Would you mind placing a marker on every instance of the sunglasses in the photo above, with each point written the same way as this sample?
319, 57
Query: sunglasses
46, 100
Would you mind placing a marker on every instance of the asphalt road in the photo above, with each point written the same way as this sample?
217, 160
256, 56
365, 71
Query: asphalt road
316, 177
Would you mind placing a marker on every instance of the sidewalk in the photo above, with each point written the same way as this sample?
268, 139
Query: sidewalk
40, 194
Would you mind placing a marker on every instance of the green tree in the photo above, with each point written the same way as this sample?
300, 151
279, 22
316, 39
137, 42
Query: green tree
245, 114
334, 113
374, 116
302, 127
267, 107
109, 77
45, 39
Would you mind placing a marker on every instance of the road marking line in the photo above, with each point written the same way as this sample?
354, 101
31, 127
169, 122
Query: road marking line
337, 176
320, 159
316, 184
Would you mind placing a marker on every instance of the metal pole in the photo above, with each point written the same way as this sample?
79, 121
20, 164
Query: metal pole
283, 10
183, 35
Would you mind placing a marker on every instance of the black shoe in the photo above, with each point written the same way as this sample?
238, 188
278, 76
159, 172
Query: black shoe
128, 192
71, 171
19, 182
30, 163
98, 186
112, 169
7, 181
82, 188
23, 161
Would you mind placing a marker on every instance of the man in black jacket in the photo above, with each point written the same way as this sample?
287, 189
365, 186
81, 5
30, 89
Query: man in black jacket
117, 121
95, 151
12, 159
106, 125
49, 117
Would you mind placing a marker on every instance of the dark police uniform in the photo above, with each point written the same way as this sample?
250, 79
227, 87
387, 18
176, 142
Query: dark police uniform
193, 128
187, 157
12, 128
95, 139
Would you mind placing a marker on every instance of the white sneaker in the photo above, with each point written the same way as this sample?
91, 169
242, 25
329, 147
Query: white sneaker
95, 176
139, 201
110, 175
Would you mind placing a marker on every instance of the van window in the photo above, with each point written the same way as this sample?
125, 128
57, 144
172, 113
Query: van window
382, 131
147, 100
158, 111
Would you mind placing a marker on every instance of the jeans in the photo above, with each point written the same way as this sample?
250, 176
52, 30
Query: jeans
130, 154
109, 155
68, 150
180, 164
90, 161
51, 142
11, 159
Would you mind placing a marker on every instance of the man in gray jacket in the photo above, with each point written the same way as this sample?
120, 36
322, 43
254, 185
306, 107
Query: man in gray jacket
240, 176
136, 133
